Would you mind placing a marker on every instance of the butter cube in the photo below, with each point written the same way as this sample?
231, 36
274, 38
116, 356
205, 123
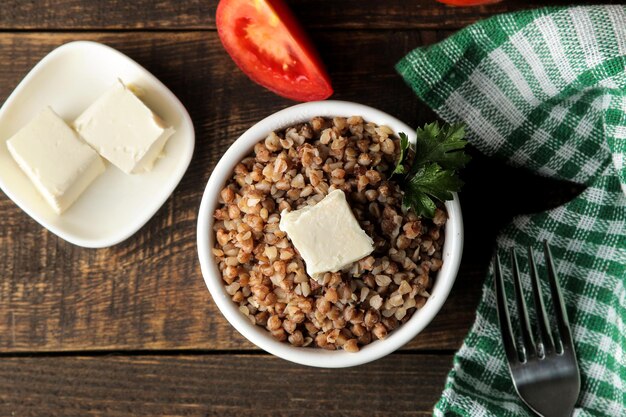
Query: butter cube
327, 235
52, 155
124, 130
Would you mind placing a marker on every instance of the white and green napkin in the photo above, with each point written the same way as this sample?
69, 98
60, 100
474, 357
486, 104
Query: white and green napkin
544, 90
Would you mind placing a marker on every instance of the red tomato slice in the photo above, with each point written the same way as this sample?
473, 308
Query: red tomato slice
468, 2
267, 43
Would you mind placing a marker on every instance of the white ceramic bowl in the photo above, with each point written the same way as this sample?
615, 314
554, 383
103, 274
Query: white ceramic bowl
453, 246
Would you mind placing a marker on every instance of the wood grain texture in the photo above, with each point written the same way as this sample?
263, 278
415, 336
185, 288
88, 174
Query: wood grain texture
225, 385
148, 292
200, 14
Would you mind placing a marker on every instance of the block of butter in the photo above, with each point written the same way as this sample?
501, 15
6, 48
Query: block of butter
124, 130
327, 235
52, 155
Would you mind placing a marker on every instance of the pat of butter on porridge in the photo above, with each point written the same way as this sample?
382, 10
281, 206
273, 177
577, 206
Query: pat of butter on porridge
327, 235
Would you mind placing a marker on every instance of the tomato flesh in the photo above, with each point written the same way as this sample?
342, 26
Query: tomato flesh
268, 44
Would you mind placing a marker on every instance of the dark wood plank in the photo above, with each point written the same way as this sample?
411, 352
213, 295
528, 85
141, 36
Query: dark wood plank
232, 385
147, 292
107, 14
403, 14
198, 14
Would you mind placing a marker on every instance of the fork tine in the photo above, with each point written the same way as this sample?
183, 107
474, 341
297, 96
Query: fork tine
545, 334
503, 313
557, 299
530, 349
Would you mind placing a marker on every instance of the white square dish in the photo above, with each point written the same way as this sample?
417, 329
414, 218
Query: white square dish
115, 205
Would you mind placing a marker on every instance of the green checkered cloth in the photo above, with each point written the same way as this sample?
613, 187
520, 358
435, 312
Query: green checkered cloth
544, 90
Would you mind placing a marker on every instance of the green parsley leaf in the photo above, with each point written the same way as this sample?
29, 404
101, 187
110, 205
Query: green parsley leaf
433, 173
404, 145
423, 205
442, 145
430, 182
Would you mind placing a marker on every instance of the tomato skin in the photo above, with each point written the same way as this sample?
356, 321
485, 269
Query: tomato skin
271, 48
468, 2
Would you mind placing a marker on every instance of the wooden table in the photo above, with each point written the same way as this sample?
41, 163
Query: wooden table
131, 329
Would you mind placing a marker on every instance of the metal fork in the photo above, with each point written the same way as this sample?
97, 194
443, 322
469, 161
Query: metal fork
544, 372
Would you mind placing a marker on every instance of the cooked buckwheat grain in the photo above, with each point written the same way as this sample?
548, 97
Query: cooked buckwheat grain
265, 275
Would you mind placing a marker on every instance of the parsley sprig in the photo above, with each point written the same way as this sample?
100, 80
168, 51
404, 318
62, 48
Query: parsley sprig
432, 175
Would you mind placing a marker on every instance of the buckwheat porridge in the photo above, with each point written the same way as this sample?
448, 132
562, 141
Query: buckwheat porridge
265, 274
